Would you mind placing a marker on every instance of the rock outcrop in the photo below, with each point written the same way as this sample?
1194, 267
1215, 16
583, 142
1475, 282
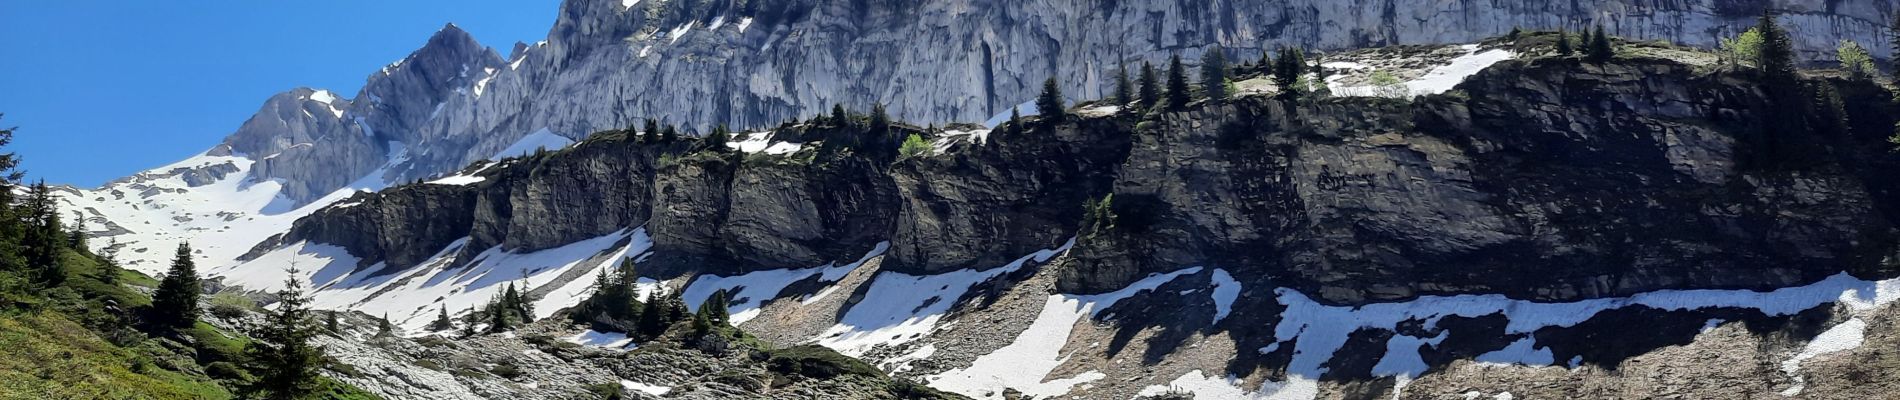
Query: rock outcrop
1545, 179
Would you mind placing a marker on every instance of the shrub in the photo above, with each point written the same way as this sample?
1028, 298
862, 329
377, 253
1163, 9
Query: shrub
913, 146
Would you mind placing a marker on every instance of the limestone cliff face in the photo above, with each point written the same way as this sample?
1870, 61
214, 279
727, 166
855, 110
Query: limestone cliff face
605, 65
1547, 179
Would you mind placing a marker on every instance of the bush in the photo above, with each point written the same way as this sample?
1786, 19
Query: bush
914, 146
505, 370
231, 307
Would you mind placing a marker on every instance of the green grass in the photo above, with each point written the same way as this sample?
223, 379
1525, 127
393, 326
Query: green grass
75, 341
52, 357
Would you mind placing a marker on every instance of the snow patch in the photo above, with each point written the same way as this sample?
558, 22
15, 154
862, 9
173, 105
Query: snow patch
761, 142
744, 23
1226, 290
655, 390
539, 139
899, 308
1025, 363
752, 290
605, 340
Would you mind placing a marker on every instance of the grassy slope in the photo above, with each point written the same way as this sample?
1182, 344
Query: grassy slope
61, 348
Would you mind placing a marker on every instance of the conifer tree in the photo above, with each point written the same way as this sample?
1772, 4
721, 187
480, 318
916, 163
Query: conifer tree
838, 116
1287, 70
1600, 49
880, 121
1178, 92
653, 320
330, 323
285, 361
76, 238
714, 309
1150, 86
1515, 33
1777, 50
651, 130
669, 134
1124, 89
175, 302
382, 326
1050, 104
615, 304
1563, 43
44, 236
1214, 74
109, 269
1015, 121
442, 321
716, 141
469, 320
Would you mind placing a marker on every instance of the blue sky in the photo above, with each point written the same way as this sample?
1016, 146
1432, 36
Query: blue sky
101, 89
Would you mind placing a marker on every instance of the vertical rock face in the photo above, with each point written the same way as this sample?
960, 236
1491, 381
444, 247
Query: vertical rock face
1546, 179
605, 65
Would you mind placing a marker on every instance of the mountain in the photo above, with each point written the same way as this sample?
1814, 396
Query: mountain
1498, 212
1521, 212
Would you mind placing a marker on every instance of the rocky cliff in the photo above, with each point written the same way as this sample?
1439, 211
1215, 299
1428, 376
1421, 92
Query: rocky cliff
752, 64
1547, 178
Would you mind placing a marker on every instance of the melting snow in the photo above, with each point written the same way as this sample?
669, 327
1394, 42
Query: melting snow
540, 139
680, 31
744, 23
716, 23
323, 96
1024, 363
900, 308
628, 4
642, 387
1203, 386
761, 142
605, 340
1226, 290
1438, 80
1846, 336
750, 291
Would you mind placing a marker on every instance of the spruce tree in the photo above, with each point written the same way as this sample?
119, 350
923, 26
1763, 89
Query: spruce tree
1563, 43
1214, 74
1515, 33
1124, 89
716, 141
1600, 49
1015, 121
1777, 50
1178, 92
109, 269
1150, 86
282, 356
715, 308
383, 329
175, 302
44, 237
651, 130
880, 121
469, 320
1287, 70
76, 238
838, 116
1050, 104
653, 321
615, 304
330, 323
669, 134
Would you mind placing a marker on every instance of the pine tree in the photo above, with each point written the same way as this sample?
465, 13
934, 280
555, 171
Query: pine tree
615, 304
880, 121
442, 321
1015, 121
838, 116
1830, 111
175, 302
1287, 70
330, 322
285, 361
44, 236
714, 309
1515, 33
1563, 43
1050, 104
1150, 86
383, 329
1600, 49
716, 141
109, 269
653, 321
669, 134
76, 238
1178, 92
1214, 74
1124, 89
651, 130
1777, 50
469, 320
